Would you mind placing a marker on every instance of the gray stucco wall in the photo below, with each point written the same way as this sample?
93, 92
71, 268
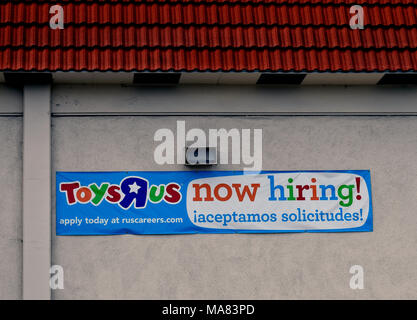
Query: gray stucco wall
10, 207
251, 266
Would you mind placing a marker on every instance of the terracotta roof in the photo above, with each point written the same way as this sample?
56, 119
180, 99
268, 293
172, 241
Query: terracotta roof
209, 35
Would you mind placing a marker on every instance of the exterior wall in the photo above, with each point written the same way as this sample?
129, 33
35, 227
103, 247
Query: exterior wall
244, 100
11, 194
243, 266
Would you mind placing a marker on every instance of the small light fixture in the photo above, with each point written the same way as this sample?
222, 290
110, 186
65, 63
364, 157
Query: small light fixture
200, 156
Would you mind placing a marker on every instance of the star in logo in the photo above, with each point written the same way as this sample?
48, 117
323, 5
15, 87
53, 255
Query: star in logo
134, 188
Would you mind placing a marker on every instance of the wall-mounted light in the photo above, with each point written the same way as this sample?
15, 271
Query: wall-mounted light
200, 156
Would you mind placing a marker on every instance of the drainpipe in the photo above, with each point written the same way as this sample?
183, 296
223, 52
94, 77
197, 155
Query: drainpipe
36, 190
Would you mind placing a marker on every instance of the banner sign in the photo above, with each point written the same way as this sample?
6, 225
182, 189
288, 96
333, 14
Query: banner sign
165, 202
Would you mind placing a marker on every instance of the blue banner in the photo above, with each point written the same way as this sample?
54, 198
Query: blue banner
177, 202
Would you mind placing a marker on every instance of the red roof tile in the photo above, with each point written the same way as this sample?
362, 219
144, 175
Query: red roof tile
209, 35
